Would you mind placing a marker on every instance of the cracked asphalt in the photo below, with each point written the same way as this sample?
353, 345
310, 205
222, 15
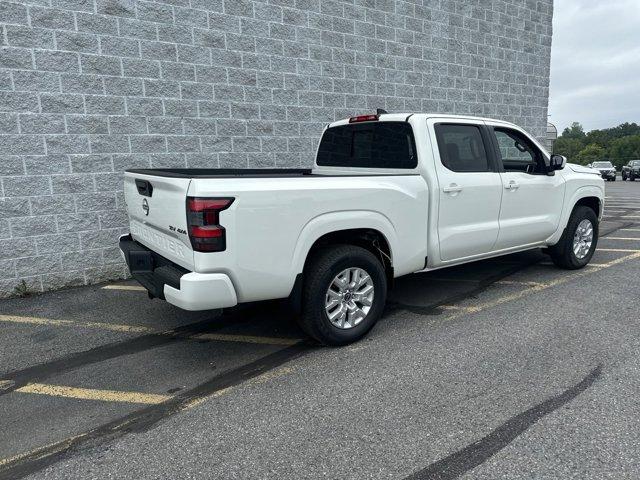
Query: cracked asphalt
508, 368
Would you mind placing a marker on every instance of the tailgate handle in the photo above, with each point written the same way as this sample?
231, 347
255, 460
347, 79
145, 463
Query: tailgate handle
144, 187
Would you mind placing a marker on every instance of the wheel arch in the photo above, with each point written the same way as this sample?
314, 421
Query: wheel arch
594, 203
590, 196
369, 230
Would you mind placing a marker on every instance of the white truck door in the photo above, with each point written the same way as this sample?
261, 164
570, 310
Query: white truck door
469, 185
532, 201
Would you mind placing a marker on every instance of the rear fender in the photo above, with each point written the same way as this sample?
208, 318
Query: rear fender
337, 221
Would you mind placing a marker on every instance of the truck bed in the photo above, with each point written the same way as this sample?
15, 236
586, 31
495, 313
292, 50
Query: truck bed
222, 172
250, 173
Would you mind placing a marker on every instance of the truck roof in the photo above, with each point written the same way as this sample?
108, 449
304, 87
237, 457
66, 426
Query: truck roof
399, 117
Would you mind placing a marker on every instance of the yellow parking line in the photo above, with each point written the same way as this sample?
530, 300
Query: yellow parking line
6, 384
93, 394
553, 283
518, 282
44, 450
459, 308
630, 229
588, 265
134, 288
222, 337
630, 250
114, 327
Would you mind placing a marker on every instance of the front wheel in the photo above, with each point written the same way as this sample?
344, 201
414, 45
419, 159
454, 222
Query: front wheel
343, 296
578, 242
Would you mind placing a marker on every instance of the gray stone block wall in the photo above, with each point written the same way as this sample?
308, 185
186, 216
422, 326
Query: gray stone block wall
89, 88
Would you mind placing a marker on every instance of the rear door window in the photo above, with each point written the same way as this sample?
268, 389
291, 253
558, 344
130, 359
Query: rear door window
462, 148
368, 145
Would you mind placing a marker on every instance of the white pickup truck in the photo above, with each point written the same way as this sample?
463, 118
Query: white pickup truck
388, 195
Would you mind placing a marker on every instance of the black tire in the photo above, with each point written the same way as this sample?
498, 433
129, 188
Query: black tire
318, 275
562, 252
623, 177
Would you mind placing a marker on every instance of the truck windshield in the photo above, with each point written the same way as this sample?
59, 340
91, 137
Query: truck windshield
602, 165
369, 145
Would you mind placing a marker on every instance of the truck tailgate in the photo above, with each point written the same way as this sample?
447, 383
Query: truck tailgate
157, 212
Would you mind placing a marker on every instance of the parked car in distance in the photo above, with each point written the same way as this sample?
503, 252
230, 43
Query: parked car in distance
606, 169
631, 170
388, 195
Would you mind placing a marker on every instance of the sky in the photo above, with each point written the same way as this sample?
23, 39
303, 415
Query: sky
595, 63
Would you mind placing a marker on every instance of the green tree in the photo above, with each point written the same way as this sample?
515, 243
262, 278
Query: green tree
574, 131
617, 144
624, 130
599, 137
569, 147
591, 153
623, 149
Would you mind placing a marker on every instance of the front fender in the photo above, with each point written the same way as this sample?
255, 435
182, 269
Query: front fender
582, 192
337, 221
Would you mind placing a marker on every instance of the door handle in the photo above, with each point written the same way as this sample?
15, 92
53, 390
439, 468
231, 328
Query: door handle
453, 188
512, 185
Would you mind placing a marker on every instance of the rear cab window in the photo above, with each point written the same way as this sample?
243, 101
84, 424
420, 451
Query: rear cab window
388, 145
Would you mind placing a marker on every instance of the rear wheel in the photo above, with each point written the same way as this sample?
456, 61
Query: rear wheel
624, 177
343, 296
579, 240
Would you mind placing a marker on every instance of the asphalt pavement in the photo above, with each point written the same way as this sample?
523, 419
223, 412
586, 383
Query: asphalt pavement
507, 368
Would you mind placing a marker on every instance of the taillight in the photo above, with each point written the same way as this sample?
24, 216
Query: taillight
363, 118
203, 218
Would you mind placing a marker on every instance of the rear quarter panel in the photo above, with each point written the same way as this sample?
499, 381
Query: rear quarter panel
273, 223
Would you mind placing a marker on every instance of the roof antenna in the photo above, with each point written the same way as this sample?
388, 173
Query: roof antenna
380, 111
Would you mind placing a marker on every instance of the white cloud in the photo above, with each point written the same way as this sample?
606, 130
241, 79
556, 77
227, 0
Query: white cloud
595, 63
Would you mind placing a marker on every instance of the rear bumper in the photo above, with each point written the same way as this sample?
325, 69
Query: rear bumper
168, 281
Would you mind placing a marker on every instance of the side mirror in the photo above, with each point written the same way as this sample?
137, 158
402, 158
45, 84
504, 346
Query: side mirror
557, 162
